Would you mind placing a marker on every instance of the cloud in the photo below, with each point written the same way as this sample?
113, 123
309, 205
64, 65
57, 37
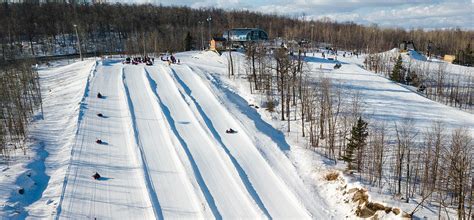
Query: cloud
217, 3
426, 14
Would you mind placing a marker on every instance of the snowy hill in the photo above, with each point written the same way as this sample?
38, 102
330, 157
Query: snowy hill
165, 152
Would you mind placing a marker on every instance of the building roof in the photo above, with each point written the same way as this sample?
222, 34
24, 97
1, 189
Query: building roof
245, 34
242, 31
219, 39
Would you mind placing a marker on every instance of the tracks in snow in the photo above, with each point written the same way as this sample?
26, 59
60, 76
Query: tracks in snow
218, 175
121, 191
167, 154
274, 196
176, 196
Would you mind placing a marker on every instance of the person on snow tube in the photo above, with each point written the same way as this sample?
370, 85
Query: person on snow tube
96, 176
230, 131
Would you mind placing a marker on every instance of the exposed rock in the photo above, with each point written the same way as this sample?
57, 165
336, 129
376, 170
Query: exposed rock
332, 176
364, 212
375, 206
360, 196
352, 190
396, 211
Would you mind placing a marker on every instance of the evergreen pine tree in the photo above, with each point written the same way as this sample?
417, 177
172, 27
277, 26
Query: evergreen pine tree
396, 72
188, 42
356, 142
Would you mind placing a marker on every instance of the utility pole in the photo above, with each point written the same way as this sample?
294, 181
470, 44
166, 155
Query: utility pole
201, 24
209, 19
429, 47
231, 62
112, 40
312, 45
78, 43
144, 45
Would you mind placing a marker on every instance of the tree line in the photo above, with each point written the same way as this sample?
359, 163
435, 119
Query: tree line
20, 98
329, 115
40, 29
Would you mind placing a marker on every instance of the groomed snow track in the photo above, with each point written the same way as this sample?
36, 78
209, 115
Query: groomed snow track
165, 154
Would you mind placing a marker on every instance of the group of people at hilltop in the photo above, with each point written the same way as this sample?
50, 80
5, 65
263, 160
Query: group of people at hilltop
149, 61
137, 60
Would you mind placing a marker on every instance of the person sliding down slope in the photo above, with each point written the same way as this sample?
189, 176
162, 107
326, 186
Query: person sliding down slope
230, 131
96, 176
99, 95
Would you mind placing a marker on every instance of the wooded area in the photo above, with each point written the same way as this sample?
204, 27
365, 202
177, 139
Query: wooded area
433, 164
20, 98
47, 28
431, 78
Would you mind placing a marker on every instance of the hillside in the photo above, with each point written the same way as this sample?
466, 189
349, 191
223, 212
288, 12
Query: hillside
165, 152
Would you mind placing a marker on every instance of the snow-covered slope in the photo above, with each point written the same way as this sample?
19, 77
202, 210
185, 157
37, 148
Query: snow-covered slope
388, 101
121, 190
383, 102
271, 192
165, 152
52, 135
219, 179
160, 152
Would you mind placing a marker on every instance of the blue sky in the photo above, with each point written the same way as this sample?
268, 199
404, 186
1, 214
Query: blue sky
389, 13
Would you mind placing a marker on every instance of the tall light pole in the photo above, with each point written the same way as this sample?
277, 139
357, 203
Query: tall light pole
144, 45
78, 43
201, 24
312, 45
209, 19
112, 40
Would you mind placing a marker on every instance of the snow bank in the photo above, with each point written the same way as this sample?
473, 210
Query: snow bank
42, 178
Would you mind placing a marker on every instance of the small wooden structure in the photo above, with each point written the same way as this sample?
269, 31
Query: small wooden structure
449, 58
217, 44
